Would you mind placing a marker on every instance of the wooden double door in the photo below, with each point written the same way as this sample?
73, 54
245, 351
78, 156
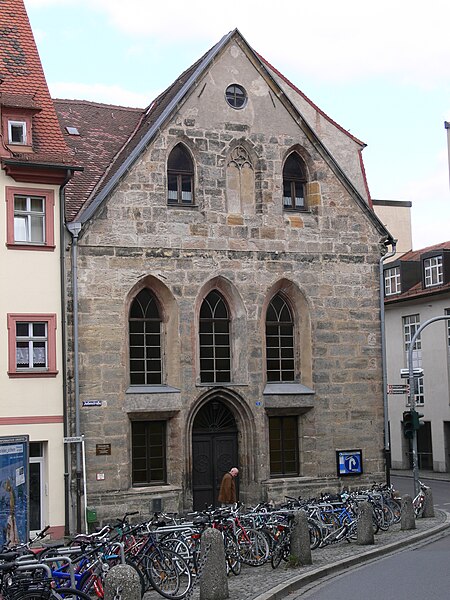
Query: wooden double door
214, 452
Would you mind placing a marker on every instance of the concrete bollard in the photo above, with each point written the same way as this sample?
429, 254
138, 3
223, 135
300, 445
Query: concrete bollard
122, 582
365, 536
213, 577
428, 507
300, 543
408, 519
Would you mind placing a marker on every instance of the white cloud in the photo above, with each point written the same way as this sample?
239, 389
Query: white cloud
328, 39
109, 94
430, 197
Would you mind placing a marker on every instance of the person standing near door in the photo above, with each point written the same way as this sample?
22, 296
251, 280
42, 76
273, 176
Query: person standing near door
227, 493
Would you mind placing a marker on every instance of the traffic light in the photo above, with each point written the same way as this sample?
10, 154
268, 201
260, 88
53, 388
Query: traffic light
417, 423
408, 423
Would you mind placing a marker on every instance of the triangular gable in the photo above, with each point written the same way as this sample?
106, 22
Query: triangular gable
175, 95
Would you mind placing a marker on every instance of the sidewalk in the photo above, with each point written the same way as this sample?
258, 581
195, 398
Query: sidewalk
265, 583
436, 475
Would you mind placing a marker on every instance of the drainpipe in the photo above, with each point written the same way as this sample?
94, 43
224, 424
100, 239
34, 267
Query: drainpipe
62, 266
75, 229
387, 443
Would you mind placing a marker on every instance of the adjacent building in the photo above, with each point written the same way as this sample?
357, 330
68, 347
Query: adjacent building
417, 288
35, 165
223, 292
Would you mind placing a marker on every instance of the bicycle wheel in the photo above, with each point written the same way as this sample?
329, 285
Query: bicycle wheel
69, 594
315, 534
281, 550
168, 572
232, 555
253, 547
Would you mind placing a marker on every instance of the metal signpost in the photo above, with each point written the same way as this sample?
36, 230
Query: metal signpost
412, 400
79, 439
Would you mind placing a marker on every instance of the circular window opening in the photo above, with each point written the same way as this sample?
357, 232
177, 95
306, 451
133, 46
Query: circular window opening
236, 96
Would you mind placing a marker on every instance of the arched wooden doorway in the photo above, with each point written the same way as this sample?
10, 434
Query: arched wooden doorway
214, 451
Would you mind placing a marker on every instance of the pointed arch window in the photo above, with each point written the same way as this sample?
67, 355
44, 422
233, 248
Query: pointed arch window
145, 340
215, 355
180, 177
279, 341
294, 183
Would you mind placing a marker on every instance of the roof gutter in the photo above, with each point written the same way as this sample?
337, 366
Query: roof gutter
74, 229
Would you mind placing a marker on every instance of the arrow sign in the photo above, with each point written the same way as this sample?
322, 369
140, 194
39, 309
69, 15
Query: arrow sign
398, 389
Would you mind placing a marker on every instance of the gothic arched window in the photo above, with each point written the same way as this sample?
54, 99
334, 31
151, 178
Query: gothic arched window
215, 354
145, 340
294, 183
279, 341
180, 177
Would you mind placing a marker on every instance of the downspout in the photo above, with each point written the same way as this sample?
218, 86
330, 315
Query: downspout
75, 229
387, 443
62, 266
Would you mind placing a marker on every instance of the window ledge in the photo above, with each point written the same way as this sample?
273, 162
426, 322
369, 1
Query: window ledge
282, 389
28, 374
183, 206
151, 389
37, 247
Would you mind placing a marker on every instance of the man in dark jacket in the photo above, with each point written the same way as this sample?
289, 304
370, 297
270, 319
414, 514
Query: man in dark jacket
227, 493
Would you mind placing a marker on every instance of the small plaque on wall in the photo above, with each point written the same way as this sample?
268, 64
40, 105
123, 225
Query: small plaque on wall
103, 449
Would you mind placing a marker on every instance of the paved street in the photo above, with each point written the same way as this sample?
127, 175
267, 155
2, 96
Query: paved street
259, 583
409, 575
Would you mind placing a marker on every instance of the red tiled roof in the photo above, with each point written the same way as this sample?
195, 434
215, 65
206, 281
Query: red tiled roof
103, 130
23, 77
416, 254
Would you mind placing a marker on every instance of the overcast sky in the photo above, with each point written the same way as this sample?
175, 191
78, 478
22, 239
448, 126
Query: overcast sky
381, 69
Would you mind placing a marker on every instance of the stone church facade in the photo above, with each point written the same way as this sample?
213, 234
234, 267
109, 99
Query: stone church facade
227, 287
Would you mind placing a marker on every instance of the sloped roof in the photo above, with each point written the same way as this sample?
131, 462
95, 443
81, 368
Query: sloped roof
24, 84
162, 109
418, 291
103, 130
416, 254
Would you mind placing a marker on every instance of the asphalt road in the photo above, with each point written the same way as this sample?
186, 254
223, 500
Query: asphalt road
414, 574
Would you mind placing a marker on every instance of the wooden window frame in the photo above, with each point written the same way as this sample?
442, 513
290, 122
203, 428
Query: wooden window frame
49, 217
149, 481
283, 440
50, 370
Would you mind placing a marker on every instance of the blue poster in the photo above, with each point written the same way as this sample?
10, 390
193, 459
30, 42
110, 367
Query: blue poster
349, 462
13, 490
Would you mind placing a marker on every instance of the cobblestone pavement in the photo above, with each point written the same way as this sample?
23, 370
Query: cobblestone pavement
265, 583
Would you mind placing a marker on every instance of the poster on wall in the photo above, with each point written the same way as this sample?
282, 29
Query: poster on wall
13, 489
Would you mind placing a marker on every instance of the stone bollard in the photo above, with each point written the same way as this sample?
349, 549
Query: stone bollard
428, 507
122, 583
408, 519
364, 524
213, 577
300, 543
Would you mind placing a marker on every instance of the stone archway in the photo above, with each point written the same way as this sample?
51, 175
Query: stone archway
214, 451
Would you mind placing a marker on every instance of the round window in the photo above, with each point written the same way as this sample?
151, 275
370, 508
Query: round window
236, 96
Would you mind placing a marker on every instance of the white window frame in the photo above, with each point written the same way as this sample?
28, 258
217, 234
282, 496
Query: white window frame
27, 216
392, 283
411, 324
21, 124
31, 339
433, 271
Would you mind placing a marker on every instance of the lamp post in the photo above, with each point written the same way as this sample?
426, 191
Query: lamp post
412, 400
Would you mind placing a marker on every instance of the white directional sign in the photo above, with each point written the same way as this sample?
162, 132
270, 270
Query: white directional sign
73, 440
398, 389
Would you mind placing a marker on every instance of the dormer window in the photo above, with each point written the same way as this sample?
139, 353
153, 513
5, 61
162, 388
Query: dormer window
392, 281
433, 271
17, 132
